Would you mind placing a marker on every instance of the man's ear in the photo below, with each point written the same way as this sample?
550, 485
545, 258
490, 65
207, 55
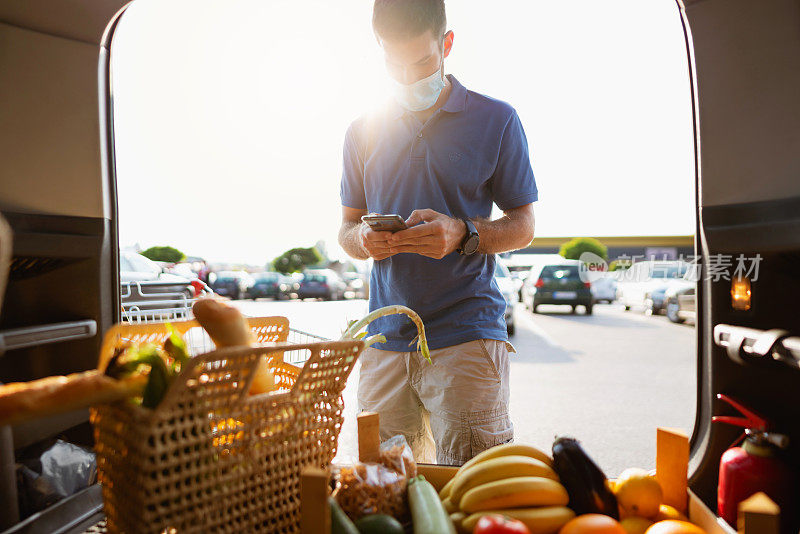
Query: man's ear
448, 43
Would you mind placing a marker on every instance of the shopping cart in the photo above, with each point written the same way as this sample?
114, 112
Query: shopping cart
156, 301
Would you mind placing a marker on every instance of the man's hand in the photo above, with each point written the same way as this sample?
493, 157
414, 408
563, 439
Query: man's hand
359, 240
375, 244
430, 234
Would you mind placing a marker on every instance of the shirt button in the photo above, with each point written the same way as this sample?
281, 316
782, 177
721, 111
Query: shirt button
420, 135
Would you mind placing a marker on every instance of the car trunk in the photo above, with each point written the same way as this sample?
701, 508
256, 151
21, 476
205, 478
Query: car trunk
63, 293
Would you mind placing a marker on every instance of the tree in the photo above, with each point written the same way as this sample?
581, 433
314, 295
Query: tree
296, 259
573, 248
167, 254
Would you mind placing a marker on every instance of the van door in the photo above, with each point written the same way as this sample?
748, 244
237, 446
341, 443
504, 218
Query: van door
746, 69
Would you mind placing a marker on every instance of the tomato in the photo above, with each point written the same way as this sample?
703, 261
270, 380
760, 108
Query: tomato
499, 524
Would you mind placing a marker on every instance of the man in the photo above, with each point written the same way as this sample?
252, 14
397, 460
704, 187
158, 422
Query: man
439, 155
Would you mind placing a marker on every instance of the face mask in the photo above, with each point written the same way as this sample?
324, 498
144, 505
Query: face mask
419, 95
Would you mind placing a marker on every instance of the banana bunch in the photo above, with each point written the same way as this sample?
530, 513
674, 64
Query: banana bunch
513, 480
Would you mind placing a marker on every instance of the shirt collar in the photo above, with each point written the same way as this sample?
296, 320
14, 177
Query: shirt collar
456, 100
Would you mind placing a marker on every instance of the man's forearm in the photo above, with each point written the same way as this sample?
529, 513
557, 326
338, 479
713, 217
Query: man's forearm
509, 232
349, 241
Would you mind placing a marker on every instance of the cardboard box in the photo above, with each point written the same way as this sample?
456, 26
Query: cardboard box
757, 515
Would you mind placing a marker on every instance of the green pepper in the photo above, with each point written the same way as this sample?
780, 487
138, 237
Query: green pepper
126, 362
158, 379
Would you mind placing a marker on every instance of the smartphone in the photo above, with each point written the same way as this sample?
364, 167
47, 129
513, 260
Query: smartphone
385, 223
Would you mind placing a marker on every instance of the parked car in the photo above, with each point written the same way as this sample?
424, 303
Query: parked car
681, 303
508, 288
604, 289
643, 278
184, 269
357, 285
655, 301
520, 265
233, 284
269, 285
135, 267
321, 284
557, 283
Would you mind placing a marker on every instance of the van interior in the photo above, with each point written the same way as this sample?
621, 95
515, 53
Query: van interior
58, 193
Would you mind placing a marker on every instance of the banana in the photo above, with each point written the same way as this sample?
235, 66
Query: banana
546, 520
518, 492
498, 469
510, 449
449, 506
457, 518
445, 492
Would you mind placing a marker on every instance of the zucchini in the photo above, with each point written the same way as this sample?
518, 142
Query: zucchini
427, 510
379, 524
340, 523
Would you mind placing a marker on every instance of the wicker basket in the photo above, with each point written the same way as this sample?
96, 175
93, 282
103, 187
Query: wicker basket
211, 458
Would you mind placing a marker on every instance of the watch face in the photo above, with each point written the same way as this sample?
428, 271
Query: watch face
471, 245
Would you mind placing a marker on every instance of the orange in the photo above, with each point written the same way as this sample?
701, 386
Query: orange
672, 526
635, 525
638, 493
666, 511
592, 524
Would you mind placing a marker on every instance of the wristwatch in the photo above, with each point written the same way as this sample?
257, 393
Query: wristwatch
470, 244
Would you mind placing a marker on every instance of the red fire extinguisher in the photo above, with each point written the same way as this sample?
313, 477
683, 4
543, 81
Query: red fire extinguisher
754, 466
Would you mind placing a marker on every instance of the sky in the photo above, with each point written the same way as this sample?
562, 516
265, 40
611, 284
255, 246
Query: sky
230, 116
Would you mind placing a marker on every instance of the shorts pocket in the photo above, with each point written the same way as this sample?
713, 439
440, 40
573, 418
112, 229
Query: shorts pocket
487, 429
489, 360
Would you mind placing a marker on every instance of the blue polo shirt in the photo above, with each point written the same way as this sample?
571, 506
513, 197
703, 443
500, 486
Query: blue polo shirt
471, 153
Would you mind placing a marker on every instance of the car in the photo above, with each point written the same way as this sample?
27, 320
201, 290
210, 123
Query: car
557, 283
357, 285
681, 303
654, 301
269, 285
135, 267
520, 265
233, 284
604, 288
506, 283
643, 278
321, 284
185, 270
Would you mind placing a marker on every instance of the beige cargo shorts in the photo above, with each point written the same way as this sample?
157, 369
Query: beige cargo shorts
448, 410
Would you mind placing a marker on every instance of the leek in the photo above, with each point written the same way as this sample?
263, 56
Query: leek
353, 329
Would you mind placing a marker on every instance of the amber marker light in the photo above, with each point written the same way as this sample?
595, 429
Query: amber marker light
740, 293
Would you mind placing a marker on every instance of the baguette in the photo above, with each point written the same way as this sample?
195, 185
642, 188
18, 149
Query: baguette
225, 324
21, 401
227, 327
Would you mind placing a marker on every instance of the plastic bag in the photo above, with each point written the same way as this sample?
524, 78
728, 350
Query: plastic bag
397, 456
380, 487
47, 476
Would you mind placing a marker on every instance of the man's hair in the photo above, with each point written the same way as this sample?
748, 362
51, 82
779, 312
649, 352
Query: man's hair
406, 19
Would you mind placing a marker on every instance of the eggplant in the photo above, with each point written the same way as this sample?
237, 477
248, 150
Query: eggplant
584, 481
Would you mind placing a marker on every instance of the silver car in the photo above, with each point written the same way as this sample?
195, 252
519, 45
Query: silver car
508, 288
